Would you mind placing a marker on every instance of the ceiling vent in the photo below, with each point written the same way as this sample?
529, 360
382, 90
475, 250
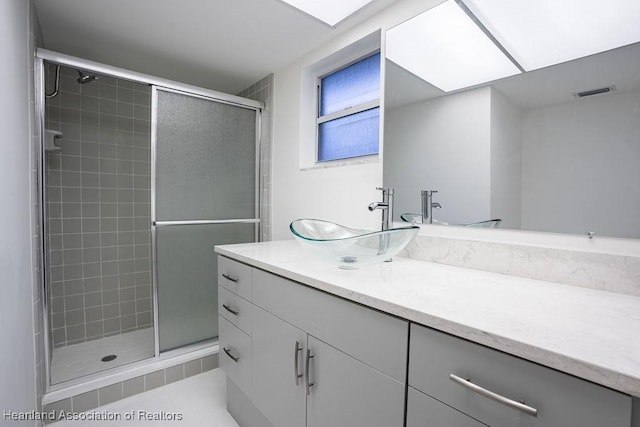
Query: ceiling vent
594, 91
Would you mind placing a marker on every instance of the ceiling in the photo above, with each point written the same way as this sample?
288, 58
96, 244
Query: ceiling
225, 45
547, 86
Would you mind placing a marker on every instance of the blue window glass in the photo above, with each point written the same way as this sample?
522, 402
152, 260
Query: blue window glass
350, 136
349, 111
352, 85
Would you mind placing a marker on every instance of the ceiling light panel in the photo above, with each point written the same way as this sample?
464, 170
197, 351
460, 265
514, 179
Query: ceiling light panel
329, 11
540, 33
447, 49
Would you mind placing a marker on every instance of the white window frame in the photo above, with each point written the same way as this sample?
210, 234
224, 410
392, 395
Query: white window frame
349, 111
309, 101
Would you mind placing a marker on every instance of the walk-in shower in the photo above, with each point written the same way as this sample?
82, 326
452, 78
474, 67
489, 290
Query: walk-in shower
140, 178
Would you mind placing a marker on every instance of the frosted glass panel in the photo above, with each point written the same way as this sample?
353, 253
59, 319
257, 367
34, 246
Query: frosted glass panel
353, 85
206, 159
350, 136
187, 280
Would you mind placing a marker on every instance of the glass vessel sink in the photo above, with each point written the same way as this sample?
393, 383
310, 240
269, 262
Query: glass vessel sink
350, 248
415, 218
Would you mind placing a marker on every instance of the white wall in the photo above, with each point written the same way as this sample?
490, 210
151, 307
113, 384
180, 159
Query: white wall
506, 161
17, 355
343, 193
442, 145
576, 177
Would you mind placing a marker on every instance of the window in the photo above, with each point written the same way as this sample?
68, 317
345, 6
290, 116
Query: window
348, 114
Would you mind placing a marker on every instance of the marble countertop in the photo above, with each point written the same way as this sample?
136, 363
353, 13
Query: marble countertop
588, 333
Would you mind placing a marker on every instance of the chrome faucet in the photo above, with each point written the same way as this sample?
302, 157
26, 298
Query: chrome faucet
386, 206
427, 206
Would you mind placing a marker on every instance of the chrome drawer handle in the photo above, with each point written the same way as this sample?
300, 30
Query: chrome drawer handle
228, 352
306, 371
230, 310
297, 350
230, 278
520, 406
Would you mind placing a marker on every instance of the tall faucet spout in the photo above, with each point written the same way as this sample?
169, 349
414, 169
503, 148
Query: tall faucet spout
386, 205
427, 206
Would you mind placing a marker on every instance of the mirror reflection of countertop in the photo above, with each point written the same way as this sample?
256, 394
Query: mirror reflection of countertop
589, 333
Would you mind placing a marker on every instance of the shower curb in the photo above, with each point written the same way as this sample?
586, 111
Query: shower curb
92, 399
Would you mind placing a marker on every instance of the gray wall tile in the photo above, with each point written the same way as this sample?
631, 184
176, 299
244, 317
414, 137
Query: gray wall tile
110, 393
86, 401
133, 386
192, 367
174, 373
210, 362
154, 380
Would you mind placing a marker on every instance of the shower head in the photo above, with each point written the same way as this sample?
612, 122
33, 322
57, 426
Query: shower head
86, 78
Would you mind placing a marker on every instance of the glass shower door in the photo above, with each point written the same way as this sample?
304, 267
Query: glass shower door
206, 193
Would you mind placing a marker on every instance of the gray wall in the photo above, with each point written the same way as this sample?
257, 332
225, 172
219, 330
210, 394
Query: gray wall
98, 208
442, 144
596, 139
263, 91
21, 354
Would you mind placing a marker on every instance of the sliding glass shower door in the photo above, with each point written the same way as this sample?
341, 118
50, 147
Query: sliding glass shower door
206, 193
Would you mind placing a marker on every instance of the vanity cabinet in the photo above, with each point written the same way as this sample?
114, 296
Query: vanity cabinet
315, 360
501, 390
320, 361
299, 357
234, 321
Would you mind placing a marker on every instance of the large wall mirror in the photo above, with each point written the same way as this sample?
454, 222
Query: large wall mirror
556, 149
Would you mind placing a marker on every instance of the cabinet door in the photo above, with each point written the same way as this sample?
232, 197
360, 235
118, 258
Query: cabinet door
278, 392
424, 411
349, 393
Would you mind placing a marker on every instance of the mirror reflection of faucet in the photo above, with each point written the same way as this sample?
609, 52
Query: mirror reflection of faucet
427, 206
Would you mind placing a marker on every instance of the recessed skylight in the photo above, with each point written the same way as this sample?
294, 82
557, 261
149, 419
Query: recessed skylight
539, 33
447, 49
329, 11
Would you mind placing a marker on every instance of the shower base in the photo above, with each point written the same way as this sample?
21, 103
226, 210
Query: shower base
77, 360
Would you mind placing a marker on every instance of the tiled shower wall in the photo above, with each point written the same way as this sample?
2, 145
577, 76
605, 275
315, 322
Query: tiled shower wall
263, 91
98, 208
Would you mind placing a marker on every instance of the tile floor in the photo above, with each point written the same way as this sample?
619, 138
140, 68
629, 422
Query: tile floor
199, 401
77, 360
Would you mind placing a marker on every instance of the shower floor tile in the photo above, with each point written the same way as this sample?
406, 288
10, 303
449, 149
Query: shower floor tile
198, 401
77, 360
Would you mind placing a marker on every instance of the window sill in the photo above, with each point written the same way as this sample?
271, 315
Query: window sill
373, 158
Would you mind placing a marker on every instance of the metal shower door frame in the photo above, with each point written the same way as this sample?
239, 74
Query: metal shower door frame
155, 223
53, 57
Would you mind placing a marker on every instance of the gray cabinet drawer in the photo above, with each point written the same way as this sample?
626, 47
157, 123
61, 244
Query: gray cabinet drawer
372, 337
560, 399
235, 309
235, 355
424, 411
235, 276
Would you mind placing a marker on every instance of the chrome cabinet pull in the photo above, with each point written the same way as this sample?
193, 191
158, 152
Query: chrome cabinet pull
298, 348
228, 352
306, 371
230, 310
229, 277
520, 406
